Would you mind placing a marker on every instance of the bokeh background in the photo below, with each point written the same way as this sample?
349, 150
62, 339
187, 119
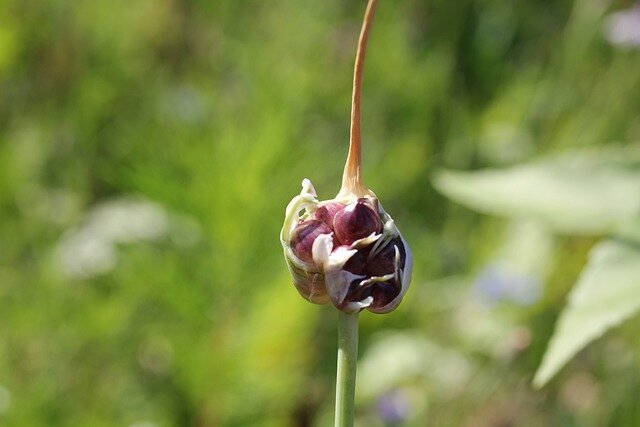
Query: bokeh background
148, 149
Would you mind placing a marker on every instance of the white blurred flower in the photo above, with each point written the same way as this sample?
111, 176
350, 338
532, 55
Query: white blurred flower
82, 254
128, 220
623, 28
90, 249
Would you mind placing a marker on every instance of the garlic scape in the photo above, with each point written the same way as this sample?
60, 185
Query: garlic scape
347, 250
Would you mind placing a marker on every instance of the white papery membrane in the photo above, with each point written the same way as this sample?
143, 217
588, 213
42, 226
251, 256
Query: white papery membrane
325, 279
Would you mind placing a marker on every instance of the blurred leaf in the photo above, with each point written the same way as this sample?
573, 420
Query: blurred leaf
607, 293
584, 192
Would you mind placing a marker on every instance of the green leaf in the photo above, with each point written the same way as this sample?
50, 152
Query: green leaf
607, 293
580, 192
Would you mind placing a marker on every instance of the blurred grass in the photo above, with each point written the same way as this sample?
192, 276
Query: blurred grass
216, 111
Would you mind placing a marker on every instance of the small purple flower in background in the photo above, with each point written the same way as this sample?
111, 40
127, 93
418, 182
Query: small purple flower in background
393, 407
496, 283
623, 28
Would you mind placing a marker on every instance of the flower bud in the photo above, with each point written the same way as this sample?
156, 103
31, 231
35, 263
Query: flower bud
384, 260
327, 211
384, 293
356, 221
357, 264
304, 235
346, 251
385, 267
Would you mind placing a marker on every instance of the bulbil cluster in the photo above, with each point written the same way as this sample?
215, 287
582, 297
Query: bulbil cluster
347, 251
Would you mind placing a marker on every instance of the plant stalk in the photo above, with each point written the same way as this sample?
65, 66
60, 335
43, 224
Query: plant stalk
352, 185
352, 177
346, 372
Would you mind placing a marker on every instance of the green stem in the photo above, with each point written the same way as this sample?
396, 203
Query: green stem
347, 363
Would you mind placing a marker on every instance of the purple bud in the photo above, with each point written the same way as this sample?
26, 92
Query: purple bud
373, 274
385, 292
304, 235
326, 212
356, 221
381, 292
381, 264
384, 262
356, 292
357, 264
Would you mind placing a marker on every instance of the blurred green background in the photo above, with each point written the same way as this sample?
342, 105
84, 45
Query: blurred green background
148, 149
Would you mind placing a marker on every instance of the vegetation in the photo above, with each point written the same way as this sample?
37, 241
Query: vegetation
148, 149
